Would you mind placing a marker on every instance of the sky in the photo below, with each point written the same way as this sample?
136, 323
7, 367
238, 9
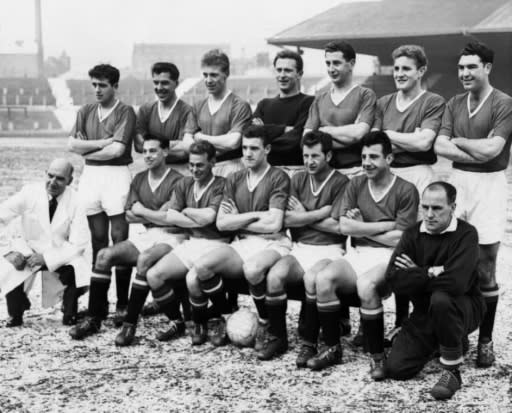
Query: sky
95, 31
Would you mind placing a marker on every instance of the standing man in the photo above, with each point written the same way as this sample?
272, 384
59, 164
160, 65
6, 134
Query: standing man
375, 209
253, 208
149, 191
221, 117
411, 117
476, 135
286, 113
436, 263
346, 111
166, 117
54, 237
193, 207
316, 238
103, 135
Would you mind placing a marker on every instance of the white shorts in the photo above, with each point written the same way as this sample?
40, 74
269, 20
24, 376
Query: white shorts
191, 250
419, 175
147, 238
104, 189
351, 172
363, 259
482, 201
308, 255
224, 168
250, 245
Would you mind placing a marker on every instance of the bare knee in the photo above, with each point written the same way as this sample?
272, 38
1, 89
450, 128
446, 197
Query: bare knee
367, 289
143, 262
310, 281
104, 259
253, 272
193, 283
325, 282
276, 278
154, 276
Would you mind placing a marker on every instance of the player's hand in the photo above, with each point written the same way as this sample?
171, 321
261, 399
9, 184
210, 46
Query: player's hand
229, 207
257, 122
35, 261
435, 271
295, 204
198, 136
404, 262
137, 208
354, 214
16, 259
106, 142
490, 134
80, 135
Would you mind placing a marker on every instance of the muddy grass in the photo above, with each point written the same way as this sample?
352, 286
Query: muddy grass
42, 370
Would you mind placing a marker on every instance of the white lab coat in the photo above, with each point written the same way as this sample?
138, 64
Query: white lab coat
61, 242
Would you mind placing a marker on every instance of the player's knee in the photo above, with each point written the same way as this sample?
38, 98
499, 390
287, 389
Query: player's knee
310, 281
104, 259
143, 262
440, 302
192, 283
154, 276
253, 272
325, 282
202, 270
276, 279
367, 289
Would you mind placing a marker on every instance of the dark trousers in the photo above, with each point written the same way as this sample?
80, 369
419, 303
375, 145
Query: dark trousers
439, 323
18, 302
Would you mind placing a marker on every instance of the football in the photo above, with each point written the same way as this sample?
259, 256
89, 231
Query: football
241, 328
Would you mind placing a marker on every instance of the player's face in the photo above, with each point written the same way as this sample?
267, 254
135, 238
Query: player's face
199, 166
338, 68
375, 163
254, 152
315, 160
164, 86
58, 176
473, 73
286, 75
406, 74
214, 79
437, 212
103, 90
153, 154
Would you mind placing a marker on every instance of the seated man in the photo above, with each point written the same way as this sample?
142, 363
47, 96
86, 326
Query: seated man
149, 191
54, 237
436, 263
253, 208
316, 236
374, 210
193, 206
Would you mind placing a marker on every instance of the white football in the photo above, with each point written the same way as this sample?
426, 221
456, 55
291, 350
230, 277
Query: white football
242, 327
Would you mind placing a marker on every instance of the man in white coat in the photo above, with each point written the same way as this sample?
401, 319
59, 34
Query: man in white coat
54, 236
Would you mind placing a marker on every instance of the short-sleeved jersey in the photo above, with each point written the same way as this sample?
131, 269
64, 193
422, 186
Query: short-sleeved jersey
330, 194
171, 129
183, 197
357, 106
233, 115
399, 204
119, 125
271, 192
494, 115
278, 113
424, 113
140, 191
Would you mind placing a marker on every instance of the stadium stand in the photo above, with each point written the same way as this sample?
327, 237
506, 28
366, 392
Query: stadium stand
25, 91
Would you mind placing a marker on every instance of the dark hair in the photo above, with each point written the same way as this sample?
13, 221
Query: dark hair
105, 72
290, 54
449, 189
164, 143
317, 137
166, 67
479, 49
412, 51
201, 147
216, 57
343, 47
263, 132
378, 138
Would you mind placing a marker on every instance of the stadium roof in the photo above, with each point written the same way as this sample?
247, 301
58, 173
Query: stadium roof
371, 23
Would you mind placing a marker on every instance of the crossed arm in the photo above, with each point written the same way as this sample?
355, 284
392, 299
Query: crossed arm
319, 219
420, 140
263, 222
469, 150
187, 218
223, 143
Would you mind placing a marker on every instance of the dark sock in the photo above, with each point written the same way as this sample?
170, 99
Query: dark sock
199, 306
258, 295
276, 310
345, 312
329, 317
214, 289
311, 324
402, 309
373, 329
123, 276
98, 293
180, 289
167, 301
140, 291
491, 296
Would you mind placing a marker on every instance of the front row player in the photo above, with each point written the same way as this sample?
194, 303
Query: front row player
193, 206
435, 263
253, 208
316, 239
376, 207
149, 190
